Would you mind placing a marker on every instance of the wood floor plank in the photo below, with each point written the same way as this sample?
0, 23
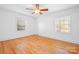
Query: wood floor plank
1, 48
36, 44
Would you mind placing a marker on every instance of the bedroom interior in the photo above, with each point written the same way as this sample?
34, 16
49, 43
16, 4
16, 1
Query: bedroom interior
39, 29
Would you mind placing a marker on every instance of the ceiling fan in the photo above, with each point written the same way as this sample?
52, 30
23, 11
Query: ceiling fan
37, 9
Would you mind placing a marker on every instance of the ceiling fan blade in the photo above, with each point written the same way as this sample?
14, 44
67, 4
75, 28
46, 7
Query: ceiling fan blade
43, 9
37, 6
29, 9
33, 12
41, 13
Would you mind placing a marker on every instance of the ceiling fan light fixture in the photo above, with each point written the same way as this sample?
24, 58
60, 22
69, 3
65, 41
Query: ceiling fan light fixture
37, 11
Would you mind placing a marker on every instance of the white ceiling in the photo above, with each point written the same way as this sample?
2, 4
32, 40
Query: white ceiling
51, 7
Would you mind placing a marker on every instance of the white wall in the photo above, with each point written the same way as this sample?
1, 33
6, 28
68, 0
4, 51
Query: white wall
8, 29
46, 25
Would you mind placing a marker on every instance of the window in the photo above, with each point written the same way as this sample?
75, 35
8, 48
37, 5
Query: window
63, 24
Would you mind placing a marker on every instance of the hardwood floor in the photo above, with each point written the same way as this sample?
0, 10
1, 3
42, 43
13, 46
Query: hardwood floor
36, 44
